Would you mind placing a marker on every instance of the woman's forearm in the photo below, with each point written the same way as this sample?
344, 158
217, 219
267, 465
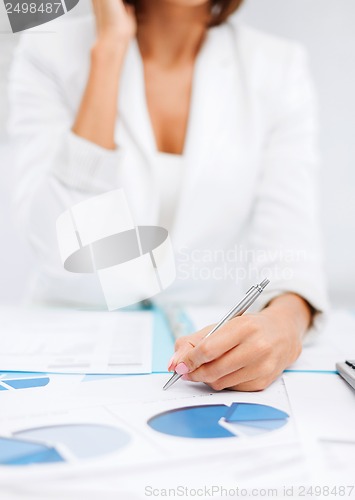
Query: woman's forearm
97, 114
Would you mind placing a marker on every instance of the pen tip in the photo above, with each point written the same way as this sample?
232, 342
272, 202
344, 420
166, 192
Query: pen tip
171, 381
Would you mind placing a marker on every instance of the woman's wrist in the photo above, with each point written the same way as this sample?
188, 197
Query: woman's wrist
292, 309
109, 51
97, 115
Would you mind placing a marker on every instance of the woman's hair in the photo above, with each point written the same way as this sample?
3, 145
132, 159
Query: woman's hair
221, 9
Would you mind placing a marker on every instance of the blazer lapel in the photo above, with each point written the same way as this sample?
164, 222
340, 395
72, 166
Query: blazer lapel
132, 108
216, 131
136, 138
216, 128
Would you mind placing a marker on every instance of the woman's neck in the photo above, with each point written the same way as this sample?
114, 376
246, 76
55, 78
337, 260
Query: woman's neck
171, 34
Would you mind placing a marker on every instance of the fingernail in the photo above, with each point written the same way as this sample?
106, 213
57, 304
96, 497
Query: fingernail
181, 369
170, 362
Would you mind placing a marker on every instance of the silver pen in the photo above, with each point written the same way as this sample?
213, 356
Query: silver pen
239, 309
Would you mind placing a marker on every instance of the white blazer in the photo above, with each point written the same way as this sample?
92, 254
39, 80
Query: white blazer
248, 204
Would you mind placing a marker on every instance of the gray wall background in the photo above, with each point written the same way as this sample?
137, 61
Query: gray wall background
326, 28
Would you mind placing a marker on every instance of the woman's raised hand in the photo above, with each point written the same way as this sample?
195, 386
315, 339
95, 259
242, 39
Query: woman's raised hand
97, 114
115, 20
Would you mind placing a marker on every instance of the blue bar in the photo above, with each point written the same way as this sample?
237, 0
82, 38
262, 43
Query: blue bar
26, 383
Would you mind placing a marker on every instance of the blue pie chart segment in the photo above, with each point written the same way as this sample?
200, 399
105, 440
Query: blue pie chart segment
28, 383
250, 412
257, 416
22, 452
207, 421
60, 443
192, 422
22, 380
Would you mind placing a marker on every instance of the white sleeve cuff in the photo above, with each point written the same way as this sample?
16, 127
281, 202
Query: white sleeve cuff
86, 166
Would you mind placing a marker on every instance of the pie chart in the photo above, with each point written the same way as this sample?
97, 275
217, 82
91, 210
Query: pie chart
219, 421
61, 443
14, 380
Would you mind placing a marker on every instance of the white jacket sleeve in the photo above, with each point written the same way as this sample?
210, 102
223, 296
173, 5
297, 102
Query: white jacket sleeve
55, 168
284, 230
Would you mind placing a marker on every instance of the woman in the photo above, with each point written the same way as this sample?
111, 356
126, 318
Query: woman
209, 128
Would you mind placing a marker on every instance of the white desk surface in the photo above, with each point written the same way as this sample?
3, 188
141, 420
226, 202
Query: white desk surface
322, 409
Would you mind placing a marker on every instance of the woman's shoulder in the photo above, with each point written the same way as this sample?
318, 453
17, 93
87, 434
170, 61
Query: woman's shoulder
65, 46
260, 44
263, 51
266, 57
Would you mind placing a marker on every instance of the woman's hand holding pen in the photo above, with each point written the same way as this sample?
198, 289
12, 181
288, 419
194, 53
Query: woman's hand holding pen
97, 115
249, 352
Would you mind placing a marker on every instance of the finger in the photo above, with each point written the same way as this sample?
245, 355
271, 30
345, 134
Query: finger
239, 377
180, 353
130, 9
183, 345
258, 384
231, 334
96, 10
254, 377
229, 363
122, 6
213, 347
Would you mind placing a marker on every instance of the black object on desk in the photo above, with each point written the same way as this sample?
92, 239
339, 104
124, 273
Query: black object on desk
347, 371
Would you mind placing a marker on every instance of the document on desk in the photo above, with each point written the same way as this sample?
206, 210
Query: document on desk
323, 405
62, 341
334, 342
129, 422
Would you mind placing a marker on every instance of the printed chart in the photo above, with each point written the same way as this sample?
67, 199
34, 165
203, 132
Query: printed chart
219, 421
67, 442
10, 381
130, 421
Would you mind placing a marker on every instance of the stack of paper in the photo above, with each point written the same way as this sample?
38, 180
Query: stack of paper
61, 341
